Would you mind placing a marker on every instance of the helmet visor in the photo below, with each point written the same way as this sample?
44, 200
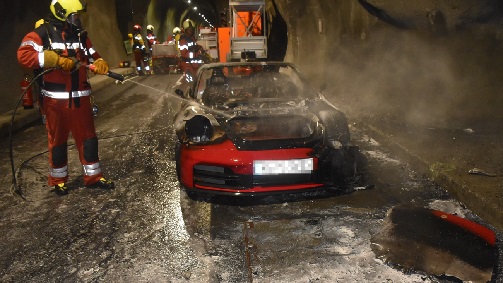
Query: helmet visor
74, 19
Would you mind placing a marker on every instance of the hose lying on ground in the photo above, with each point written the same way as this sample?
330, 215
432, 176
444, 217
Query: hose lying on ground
17, 189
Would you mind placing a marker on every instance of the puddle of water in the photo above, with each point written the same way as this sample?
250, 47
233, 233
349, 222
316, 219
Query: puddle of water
438, 243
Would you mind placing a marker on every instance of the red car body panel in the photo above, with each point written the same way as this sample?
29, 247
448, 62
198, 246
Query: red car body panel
226, 155
483, 232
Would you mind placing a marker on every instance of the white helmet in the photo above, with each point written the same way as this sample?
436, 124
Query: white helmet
177, 30
188, 25
150, 27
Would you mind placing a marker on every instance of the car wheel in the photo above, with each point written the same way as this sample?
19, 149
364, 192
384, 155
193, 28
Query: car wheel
348, 168
336, 125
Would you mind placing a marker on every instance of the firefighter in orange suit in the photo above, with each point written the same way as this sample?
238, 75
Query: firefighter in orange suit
62, 44
140, 52
151, 41
151, 38
189, 51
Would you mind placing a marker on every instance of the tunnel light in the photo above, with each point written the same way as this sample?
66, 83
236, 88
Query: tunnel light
195, 8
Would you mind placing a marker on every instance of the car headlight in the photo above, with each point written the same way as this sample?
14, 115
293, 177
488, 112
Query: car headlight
199, 129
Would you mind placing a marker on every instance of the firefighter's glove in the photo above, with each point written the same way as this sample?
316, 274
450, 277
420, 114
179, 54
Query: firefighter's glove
100, 67
52, 60
65, 63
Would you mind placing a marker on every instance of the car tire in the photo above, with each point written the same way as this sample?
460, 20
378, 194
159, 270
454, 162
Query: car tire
336, 125
348, 166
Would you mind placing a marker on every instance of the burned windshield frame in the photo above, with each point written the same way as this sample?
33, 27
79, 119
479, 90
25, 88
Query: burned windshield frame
240, 78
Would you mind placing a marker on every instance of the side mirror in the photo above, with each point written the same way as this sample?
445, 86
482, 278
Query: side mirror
179, 92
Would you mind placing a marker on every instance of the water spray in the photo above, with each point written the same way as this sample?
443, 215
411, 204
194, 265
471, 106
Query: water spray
118, 79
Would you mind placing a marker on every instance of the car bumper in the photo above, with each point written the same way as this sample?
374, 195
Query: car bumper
222, 168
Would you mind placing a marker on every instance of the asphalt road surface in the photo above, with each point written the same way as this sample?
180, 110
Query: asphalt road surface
148, 230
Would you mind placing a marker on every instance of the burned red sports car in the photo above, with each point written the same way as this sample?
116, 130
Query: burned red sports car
250, 128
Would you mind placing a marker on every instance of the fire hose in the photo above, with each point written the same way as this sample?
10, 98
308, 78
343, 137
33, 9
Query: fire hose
112, 75
91, 67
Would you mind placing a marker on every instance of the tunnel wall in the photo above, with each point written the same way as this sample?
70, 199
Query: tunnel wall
415, 75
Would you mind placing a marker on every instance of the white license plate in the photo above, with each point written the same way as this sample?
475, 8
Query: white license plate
276, 167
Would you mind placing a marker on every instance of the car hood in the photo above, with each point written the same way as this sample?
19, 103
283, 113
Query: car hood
269, 123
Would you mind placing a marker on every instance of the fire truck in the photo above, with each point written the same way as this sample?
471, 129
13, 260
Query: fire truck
245, 38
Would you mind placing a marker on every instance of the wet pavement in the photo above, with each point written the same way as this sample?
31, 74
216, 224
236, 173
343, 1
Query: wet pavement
467, 162
148, 230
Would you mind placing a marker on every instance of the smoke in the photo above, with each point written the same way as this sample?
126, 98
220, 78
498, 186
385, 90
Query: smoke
412, 78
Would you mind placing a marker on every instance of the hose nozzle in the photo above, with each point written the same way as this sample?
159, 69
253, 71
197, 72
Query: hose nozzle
113, 75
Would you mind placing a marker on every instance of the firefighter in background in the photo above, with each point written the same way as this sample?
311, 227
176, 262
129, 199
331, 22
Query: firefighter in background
151, 41
130, 38
61, 43
151, 38
140, 52
176, 37
190, 52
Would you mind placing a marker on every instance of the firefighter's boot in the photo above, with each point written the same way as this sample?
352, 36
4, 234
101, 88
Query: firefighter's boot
103, 184
61, 189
